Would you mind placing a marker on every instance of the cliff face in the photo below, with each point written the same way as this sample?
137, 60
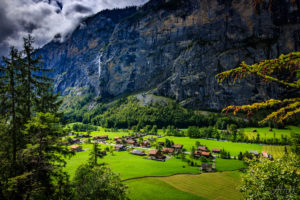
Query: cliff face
175, 48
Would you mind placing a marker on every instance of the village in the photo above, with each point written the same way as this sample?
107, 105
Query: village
147, 146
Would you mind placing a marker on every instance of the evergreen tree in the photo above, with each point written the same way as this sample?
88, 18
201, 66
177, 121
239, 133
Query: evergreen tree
95, 154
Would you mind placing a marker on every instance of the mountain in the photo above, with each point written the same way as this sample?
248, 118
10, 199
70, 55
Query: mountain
174, 48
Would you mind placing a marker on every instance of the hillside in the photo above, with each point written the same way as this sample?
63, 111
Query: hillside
175, 48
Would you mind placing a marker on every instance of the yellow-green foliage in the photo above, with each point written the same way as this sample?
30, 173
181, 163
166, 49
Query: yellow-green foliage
269, 70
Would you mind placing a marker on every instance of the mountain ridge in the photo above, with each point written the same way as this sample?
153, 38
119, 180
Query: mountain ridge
174, 49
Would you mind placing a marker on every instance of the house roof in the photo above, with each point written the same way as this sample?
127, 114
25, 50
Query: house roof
198, 152
254, 152
75, 146
131, 142
206, 165
202, 148
153, 152
216, 150
178, 146
205, 153
170, 150
138, 152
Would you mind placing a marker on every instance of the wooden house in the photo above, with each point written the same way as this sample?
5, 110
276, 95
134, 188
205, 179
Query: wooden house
156, 155
216, 150
168, 150
178, 146
76, 148
120, 148
138, 152
131, 142
145, 143
101, 138
206, 167
202, 148
161, 143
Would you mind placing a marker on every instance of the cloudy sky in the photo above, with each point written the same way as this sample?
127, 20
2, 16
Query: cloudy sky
45, 18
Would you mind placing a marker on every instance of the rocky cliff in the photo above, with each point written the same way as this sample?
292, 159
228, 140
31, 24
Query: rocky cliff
174, 48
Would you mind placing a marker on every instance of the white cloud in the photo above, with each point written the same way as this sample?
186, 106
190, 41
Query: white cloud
45, 18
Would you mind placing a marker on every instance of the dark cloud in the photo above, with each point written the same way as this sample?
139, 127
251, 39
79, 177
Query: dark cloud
44, 19
81, 9
7, 26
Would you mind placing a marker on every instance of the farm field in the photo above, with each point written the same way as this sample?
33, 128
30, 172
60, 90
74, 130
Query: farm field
264, 132
204, 186
276, 151
233, 147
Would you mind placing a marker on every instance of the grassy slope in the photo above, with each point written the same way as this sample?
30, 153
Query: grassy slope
264, 133
205, 186
153, 188
233, 147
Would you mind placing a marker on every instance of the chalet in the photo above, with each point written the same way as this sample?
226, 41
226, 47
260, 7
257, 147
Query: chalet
161, 143
119, 141
145, 144
101, 138
206, 154
256, 153
84, 136
131, 142
138, 152
206, 167
75, 141
201, 153
120, 148
156, 155
76, 148
216, 150
202, 148
266, 155
177, 146
168, 150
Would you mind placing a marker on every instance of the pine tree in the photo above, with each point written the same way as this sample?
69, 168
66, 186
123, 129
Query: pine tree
95, 154
10, 101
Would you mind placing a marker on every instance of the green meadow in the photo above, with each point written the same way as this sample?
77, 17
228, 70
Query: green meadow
233, 147
220, 185
265, 133
174, 178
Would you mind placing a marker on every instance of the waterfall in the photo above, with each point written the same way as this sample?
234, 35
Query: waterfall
99, 64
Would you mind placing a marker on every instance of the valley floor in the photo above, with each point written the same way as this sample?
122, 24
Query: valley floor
174, 178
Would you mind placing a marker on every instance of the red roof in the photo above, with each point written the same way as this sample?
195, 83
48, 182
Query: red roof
202, 148
153, 152
131, 142
216, 150
169, 150
205, 153
177, 146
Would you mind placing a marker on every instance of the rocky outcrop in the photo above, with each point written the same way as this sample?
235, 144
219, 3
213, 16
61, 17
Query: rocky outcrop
174, 48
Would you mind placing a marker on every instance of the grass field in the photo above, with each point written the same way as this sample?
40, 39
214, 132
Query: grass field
229, 164
264, 133
276, 151
221, 185
130, 166
233, 147
155, 189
